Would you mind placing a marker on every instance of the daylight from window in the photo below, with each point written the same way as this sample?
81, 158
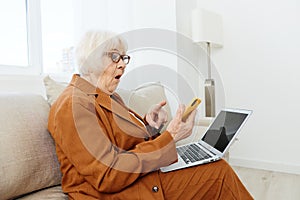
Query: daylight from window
13, 40
56, 33
57, 36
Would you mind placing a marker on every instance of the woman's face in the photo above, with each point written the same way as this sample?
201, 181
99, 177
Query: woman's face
109, 79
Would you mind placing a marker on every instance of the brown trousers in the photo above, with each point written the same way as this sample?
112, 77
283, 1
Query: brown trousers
209, 181
212, 181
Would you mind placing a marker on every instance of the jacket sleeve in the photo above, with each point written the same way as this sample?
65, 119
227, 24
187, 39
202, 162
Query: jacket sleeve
82, 134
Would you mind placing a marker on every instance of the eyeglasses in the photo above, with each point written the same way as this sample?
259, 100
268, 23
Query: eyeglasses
115, 57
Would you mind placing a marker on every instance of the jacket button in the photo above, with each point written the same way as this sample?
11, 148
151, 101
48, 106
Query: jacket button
155, 189
146, 138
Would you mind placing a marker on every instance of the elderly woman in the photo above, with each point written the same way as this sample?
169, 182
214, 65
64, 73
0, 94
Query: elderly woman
106, 150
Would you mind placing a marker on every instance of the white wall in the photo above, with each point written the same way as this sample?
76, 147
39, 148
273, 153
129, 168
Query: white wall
128, 17
193, 75
123, 15
259, 66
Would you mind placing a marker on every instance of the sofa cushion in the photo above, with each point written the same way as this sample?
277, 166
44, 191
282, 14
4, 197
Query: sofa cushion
143, 98
53, 88
52, 193
28, 160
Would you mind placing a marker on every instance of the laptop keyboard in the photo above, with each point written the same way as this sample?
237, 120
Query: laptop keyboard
192, 153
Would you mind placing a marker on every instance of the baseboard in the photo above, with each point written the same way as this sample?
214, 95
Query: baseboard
265, 165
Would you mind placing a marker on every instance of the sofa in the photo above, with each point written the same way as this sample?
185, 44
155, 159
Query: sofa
29, 168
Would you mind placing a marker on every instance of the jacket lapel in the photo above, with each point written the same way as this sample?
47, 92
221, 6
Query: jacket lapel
119, 109
115, 105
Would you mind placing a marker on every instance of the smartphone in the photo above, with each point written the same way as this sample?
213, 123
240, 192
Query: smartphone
190, 107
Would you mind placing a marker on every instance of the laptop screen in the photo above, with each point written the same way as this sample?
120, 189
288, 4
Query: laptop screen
224, 128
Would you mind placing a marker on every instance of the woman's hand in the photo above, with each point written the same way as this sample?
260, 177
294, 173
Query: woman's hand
179, 129
157, 116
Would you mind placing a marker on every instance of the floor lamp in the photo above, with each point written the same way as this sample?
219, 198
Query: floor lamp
207, 30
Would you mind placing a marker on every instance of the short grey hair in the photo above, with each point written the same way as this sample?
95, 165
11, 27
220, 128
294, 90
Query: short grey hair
92, 47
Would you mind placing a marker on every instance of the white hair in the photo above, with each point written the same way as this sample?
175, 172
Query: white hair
91, 48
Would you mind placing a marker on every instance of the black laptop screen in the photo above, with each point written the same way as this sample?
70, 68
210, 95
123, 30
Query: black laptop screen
222, 130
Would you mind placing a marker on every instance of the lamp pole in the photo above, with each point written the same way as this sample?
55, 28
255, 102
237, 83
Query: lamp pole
209, 84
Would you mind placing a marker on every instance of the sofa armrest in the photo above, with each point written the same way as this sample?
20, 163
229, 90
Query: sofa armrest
204, 121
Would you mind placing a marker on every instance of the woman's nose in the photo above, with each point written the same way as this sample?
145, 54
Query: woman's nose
121, 64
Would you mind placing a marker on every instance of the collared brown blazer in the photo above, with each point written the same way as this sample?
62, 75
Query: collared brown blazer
101, 146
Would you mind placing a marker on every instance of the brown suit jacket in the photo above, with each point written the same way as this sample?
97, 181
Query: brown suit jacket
101, 146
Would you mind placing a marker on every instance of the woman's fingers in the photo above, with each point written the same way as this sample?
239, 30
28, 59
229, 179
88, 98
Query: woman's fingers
179, 129
179, 112
157, 115
191, 117
162, 103
158, 107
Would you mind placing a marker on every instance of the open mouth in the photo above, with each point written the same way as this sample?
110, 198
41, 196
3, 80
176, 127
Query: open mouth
118, 77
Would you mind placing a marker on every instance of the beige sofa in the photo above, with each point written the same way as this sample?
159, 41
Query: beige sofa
28, 165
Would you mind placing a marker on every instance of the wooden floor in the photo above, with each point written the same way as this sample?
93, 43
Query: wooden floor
268, 185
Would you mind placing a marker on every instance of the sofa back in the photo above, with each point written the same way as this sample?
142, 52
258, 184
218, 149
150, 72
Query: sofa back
28, 160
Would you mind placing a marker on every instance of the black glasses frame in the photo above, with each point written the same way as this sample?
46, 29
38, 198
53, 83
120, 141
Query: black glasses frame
116, 57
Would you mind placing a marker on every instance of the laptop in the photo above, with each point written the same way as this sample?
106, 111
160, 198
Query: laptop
215, 141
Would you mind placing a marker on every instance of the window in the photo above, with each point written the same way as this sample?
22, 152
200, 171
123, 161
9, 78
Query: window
20, 37
57, 18
37, 36
13, 38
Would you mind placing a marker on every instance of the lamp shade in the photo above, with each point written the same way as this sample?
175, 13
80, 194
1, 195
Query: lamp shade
207, 27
